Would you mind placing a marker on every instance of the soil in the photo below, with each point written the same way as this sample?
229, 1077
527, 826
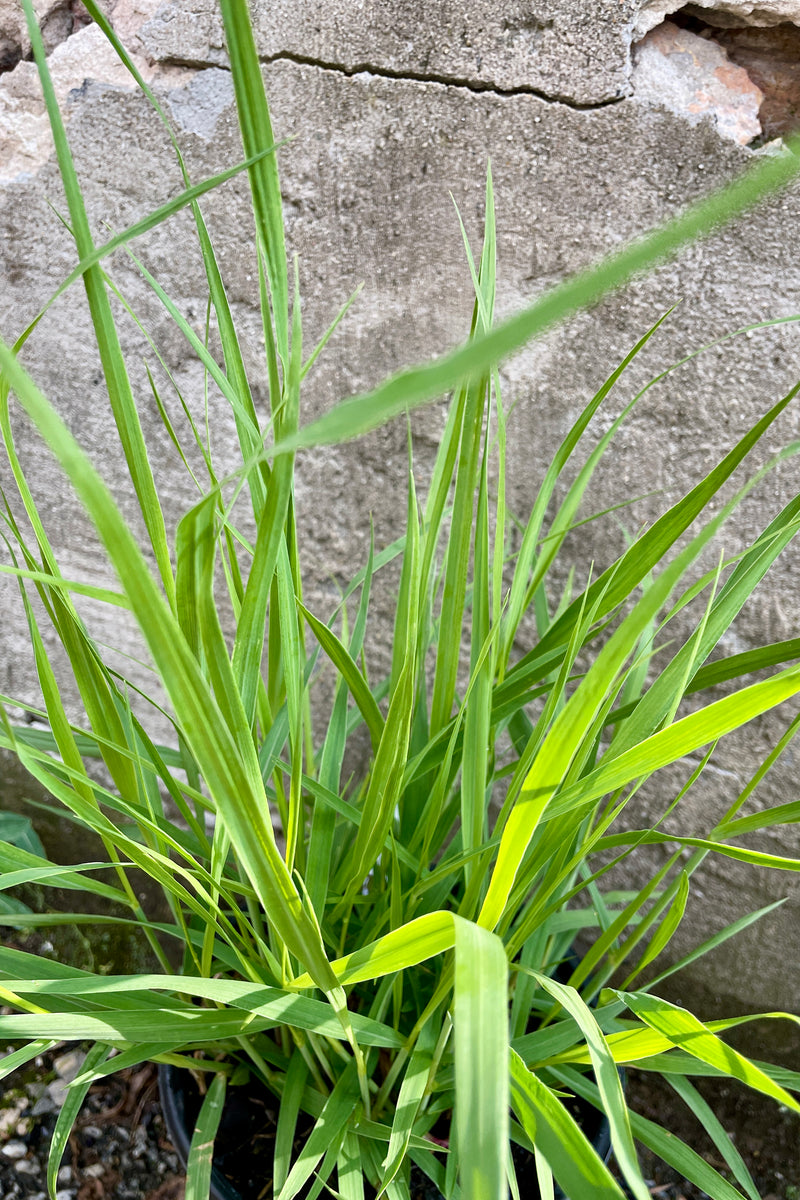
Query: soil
766, 1135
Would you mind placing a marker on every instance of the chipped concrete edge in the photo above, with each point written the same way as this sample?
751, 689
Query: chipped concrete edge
83, 55
667, 68
748, 12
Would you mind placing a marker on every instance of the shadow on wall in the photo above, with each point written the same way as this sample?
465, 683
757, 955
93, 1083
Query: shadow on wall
705, 61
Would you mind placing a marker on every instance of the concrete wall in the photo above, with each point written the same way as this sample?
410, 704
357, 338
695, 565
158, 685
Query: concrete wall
601, 118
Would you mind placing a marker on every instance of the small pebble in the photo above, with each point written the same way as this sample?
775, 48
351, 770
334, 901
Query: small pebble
28, 1166
95, 1171
44, 1105
64, 1175
139, 1141
10, 1117
14, 1149
57, 1091
67, 1066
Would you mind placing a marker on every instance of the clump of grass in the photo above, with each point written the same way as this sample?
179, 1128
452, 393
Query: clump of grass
393, 960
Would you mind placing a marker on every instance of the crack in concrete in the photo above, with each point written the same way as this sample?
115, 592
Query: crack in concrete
404, 76
409, 76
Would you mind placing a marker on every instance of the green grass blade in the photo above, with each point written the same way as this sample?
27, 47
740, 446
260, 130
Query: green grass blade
477, 720
58, 876
388, 767
187, 1027
349, 1169
481, 1058
291, 1096
199, 617
734, 666
715, 940
335, 1115
575, 724
467, 475
409, 597
412, 1091
667, 1146
65, 739
732, 597
249, 642
407, 946
544, 1176
520, 585
608, 1081
350, 673
682, 737
334, 325
71, 586
118, 385
272, 1004
384, 788
666, 930
713, 1127
201, 1149
458, 556
621, 579
323, 822
571, 1158
247, 426
684, 1030
22, 1056
292, 675
76, 1094
201, 350
187, 197
18, 835
256, 130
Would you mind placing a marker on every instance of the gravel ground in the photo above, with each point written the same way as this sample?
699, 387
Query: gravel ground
118, 1150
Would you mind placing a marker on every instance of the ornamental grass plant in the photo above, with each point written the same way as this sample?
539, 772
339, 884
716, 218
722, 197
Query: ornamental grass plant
397, 960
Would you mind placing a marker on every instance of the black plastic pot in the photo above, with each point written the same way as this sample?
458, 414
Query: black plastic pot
249, 1121
244, 1118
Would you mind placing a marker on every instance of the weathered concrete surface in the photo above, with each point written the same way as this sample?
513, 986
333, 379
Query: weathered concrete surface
366, 187
578, 53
